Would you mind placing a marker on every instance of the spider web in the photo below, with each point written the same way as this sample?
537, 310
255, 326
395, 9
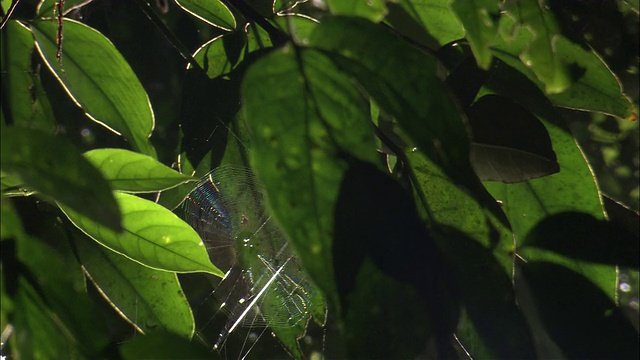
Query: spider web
264, 291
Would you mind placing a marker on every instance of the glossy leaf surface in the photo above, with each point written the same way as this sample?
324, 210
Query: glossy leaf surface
147, 298
152, 236
134, 172
98, 79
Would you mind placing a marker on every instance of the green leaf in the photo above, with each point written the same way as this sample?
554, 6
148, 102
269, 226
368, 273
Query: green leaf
572, 189
378, 60
509, 143
98, 79
302, 113
23, 100
536, 40
46, 7
147, 298
365, 268
133, 172
152, 236
374, 10
476, 17
595, 87
213, 58
214, 13
56, 170
153, 345
429, 22
478, 250
47, 254
598, 328
42, 335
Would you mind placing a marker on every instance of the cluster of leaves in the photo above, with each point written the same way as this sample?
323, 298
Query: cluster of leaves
412, 151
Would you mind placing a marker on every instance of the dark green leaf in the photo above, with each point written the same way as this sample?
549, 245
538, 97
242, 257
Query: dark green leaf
303, 114
597, 328
23, 100
148, 298
41, 333
152, 236
56, 170
582, 237
412, 273
133, 172
509, 143
387, 68
98, 79
474, 244
162, 345
214, 13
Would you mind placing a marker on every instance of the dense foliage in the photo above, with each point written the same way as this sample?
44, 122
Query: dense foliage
416, 153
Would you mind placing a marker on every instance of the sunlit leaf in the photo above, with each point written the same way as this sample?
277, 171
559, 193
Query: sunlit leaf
429, 22
98, 79
374, 10
46, 7
148, 298
594, 87
537, 33
134, 172
477, 18
303, 112
213, 12
378, 61
54, 168
474, 245
152, 236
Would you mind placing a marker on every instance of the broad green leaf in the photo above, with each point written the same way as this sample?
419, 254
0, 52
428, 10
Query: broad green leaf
46, 7
39, 334
298, 26
10, 224
478, 250
595, 87
213, 58
53, 266
152, 236
24, 103
154, 345
568, 303
509, 143
538, 34
374, 10
55, 169
134, 172
147, 298
373, 211
476, 17
98, 79
572, 189
213, 12
431, 23
302, 112
427, 113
